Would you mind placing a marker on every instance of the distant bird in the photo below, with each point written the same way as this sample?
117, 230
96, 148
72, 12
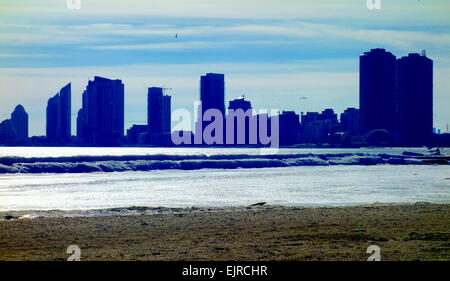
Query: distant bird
258, 204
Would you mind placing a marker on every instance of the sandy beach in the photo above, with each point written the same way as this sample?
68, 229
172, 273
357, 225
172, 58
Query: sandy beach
418, 231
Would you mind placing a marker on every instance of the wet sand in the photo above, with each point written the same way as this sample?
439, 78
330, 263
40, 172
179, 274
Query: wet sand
418, 231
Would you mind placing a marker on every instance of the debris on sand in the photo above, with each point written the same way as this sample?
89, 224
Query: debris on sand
258, 204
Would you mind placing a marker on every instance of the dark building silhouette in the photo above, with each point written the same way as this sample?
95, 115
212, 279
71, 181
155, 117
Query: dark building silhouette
241, 123
350, 121
212, 96
415, 99
100, 121
15, 130
377, 91
212, 92
240, 103
137, 134
59, 116
6, 133
289, 127
159, 116
319, 127
19, 124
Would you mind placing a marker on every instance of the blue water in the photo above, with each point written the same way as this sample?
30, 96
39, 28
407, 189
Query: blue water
290, 186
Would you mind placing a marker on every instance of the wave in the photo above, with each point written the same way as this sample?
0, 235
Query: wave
87, 164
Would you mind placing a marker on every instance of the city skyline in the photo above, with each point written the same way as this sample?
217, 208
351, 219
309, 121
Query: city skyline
395, 97
222, 97
287, 50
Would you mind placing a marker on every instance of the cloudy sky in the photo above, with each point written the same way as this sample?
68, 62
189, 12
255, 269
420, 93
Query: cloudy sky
273, 51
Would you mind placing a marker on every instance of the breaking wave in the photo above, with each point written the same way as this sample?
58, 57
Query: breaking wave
87, 164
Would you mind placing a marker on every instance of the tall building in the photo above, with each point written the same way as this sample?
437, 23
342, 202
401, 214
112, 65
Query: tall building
100, 121
212, 96
377, 91
59, 116
19, 124
159, 116
167, 115
212, 92
415, 99
350, 121
289, 127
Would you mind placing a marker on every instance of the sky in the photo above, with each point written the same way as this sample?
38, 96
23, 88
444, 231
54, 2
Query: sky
272, 51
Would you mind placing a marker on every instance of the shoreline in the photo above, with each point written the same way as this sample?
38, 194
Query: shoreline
419, 231
161, 210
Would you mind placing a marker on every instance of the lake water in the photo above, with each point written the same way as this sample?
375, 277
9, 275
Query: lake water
290, 186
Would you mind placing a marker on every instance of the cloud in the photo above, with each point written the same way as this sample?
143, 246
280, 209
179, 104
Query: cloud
184, 45
152, 37
399, 11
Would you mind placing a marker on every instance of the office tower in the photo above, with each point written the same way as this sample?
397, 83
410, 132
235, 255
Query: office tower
59, 116
241, 123
377, 91
155, 110
19, 124
212, 92
212, 96
350, 121
415, 99
289, 127
101, 118
167, 115
159, 116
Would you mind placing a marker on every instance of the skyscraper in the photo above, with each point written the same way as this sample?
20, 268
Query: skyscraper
19, 124
100, 121
377, 91
212, 96
59, 116
159, 115
415, 99
289, 127
212, 92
